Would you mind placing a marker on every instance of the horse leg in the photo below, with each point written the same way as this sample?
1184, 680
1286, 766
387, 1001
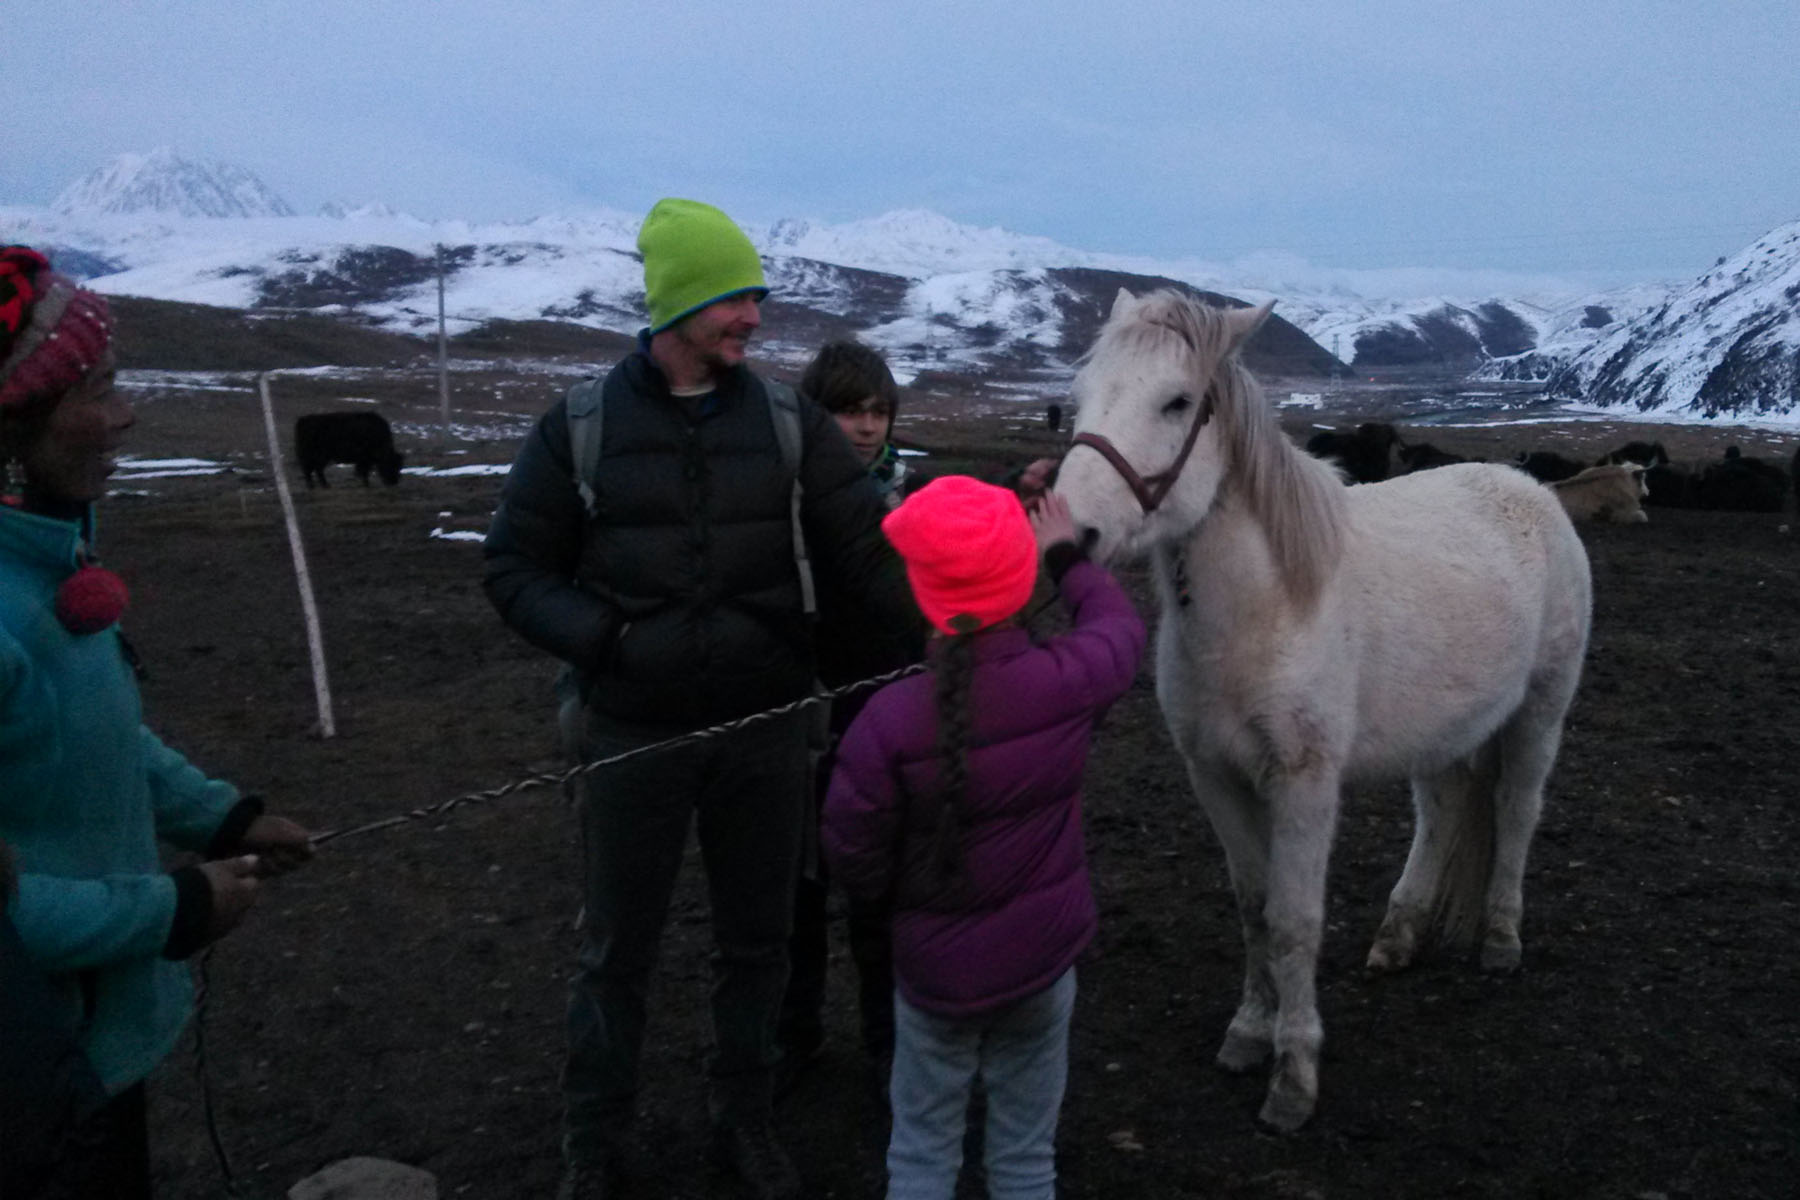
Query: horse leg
1303, 818
1528, 746
1242, 828
1447, 868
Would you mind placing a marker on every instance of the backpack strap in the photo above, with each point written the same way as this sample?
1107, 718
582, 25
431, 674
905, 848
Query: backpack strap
586, 419
784, 410
587, 422
784, 407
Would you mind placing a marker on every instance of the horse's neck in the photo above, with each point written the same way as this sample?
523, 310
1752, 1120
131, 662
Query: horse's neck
1221, 572
1278, 526
1222, 544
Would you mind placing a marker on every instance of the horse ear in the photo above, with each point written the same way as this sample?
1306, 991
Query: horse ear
1121, 304
1242, 324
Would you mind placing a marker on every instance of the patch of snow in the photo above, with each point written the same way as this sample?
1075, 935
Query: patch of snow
130, 463
447, 472
166, 468
136, 475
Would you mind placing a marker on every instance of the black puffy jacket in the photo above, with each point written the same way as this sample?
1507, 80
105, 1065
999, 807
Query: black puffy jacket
680, 601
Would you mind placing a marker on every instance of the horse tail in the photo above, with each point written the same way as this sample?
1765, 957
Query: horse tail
1462, 822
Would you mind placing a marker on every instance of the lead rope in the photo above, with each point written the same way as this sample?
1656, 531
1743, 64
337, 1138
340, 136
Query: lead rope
1179, 576
556, 777
206, 1097
563, 776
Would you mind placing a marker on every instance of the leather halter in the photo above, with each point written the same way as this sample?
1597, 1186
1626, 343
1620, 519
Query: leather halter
1151, 489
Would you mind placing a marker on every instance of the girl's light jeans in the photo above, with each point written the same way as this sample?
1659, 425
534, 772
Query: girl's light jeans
1021, 1055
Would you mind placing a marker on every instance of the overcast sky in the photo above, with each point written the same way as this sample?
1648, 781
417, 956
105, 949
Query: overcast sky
1581, 137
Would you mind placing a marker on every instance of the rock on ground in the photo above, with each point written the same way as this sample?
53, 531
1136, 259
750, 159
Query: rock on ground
366, 1179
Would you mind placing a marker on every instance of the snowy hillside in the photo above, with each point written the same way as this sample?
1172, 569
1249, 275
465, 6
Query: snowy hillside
932, 293
1567, 328
1727, 344
913, 243
1500, 337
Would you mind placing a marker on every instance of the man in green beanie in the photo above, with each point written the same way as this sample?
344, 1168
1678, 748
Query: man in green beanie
670, 579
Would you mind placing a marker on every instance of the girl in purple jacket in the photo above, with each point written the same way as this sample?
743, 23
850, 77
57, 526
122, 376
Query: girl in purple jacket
958, 795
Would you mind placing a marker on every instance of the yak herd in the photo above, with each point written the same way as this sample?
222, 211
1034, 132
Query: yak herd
1613, 488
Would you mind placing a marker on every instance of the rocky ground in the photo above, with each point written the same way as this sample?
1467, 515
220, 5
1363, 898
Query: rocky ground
402, 996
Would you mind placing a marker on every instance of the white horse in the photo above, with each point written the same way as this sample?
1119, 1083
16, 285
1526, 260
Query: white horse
1314, 635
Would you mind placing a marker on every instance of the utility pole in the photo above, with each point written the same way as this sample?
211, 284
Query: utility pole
443, 357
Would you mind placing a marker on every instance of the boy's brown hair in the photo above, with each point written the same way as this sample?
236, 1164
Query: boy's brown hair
845, 373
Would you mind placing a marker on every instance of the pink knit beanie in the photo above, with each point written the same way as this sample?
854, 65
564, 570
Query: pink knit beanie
52, 332
970, 553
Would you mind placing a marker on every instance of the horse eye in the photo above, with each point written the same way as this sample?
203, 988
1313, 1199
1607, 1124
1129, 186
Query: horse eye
1179, 404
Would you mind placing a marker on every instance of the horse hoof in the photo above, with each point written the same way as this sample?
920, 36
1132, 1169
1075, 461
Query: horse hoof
1386, 957
1500, 954
1287, 1107
1241, 1052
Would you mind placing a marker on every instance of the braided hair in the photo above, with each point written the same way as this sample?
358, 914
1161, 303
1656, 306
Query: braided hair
953, 673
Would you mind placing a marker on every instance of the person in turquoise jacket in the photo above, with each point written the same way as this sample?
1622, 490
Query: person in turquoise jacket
86, 790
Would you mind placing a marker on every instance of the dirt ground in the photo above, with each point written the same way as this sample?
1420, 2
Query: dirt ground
402, 996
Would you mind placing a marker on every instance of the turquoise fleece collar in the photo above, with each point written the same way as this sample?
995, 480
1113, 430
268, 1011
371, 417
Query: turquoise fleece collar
38, 539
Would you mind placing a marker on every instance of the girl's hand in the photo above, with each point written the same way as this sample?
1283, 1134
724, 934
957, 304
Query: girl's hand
1051, 522
234, 891
1035, 479
281, 844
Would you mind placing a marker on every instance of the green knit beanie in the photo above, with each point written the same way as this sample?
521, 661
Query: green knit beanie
693, 255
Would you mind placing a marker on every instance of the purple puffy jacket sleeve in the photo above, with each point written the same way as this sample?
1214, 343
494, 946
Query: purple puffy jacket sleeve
1105, 628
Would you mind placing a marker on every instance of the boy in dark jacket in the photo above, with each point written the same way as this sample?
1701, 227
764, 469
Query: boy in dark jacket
853, 383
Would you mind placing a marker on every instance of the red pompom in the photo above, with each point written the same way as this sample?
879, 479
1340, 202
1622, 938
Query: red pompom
91, 599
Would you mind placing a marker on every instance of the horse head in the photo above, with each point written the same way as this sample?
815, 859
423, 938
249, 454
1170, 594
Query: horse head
1148, 458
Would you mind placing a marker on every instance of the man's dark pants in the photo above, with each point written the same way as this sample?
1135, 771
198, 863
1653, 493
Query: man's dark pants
869, 924
745, 792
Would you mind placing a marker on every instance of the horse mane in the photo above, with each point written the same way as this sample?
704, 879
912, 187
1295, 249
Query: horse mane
1298, 500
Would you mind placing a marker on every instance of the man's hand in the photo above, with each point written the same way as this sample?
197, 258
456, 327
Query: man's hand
280, 844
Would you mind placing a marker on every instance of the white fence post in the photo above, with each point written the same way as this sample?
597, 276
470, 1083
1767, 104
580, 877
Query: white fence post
443, 358
315, 642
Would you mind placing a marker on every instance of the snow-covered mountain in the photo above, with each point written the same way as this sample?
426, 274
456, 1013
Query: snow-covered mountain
1567, 328
932, 293
1499, 337
1729, 343
163, 182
